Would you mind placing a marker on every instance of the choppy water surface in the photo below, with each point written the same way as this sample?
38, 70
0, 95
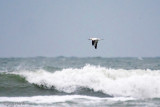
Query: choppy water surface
72, 81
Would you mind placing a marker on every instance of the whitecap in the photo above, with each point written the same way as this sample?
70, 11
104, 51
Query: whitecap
135, 83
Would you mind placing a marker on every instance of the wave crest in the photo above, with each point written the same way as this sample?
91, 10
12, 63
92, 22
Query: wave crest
116, 82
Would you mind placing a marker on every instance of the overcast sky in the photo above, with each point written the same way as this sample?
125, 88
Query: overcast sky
130, 28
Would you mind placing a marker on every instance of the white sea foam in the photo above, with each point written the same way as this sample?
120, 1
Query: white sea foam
117, 82
61, 99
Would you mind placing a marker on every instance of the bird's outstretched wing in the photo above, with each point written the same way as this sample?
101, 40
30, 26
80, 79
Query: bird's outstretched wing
96, 45
93, 42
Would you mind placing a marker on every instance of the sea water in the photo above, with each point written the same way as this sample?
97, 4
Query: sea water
79, 82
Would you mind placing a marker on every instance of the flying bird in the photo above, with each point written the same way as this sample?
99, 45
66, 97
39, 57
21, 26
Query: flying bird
95, 41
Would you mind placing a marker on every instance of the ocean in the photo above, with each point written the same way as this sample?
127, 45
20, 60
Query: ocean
80, 82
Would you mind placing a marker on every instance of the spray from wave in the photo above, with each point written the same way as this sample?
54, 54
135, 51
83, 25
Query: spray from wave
115, 82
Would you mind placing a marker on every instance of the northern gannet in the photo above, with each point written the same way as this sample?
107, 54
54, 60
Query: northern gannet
95, 41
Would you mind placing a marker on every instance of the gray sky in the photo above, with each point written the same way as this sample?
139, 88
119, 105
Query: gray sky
130, 28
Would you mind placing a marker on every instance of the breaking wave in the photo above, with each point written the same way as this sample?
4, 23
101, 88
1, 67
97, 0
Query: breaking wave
135, 83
